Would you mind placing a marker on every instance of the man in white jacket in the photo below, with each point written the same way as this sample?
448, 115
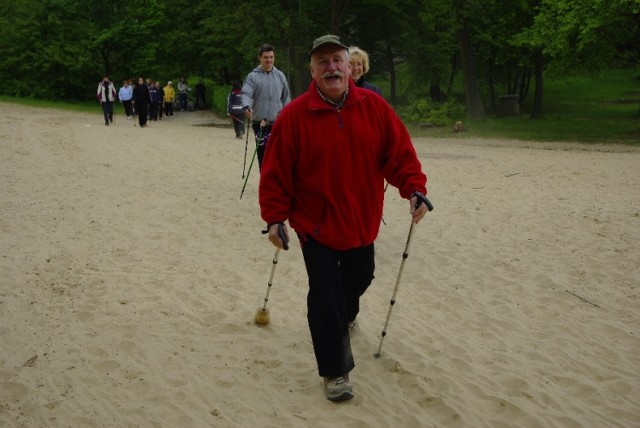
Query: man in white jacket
106, 95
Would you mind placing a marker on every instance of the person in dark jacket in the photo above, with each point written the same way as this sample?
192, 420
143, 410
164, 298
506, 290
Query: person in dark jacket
160, 98
154, 96
141, 100
360, 67
234, 108
201, 101
324, 168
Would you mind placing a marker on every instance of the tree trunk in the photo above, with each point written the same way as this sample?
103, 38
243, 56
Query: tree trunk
393, 98
454, 68
338, 9
492, 92
536, 112
468, 65
524, 89
436, 93
301, 77
104, 53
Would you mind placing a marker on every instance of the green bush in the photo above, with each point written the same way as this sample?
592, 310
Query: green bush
215, 93
220, 94
436, 114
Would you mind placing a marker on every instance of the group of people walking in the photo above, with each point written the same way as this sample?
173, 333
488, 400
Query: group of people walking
145, 99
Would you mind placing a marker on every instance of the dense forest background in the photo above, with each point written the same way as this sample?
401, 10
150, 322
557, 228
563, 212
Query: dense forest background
59, 49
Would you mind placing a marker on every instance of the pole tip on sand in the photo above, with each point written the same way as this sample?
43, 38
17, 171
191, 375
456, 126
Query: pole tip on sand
262, 317
376, 355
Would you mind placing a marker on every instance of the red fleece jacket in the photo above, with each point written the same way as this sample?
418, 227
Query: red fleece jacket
324, 169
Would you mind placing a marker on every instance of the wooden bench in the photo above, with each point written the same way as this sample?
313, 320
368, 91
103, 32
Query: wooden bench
625, 101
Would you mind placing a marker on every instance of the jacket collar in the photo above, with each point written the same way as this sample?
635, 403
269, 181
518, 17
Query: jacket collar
259, 69
317, 103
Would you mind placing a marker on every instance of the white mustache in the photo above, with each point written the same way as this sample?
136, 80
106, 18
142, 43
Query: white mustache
335, 73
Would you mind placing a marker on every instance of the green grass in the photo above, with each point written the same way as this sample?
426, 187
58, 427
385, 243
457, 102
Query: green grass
573, 111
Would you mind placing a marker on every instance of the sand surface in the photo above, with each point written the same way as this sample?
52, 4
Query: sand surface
130, 273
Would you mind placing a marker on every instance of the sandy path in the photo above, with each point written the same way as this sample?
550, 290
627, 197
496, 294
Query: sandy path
132, 270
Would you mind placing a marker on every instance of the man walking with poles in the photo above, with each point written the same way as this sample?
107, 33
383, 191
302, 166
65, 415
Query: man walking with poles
265, 92
324, 171
106, 95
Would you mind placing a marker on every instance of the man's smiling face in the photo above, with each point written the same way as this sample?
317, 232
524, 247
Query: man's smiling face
330, 68
267, 58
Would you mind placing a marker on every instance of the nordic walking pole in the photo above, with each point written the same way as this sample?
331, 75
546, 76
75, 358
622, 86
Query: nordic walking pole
246, 143
253, 158
405, 254
385, 190
236, 119
262, 315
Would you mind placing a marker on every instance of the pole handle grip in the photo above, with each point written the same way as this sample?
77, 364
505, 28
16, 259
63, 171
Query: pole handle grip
422, 199
283, 236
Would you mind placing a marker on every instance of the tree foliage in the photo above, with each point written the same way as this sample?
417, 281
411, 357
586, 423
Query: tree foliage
60, 48
584, 34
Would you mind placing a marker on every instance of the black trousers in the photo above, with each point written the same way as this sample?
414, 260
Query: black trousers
200, 102
107, 111
127, 107
143, 111
238, 123
337, 280
260, 134
168, 108
153, 111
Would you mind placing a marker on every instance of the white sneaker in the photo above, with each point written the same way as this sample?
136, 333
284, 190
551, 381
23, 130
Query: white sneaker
338, 388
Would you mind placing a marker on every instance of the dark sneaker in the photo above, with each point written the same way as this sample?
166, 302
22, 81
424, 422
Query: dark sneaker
338, 388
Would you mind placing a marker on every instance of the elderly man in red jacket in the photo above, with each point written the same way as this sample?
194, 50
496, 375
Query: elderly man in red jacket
329, 154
